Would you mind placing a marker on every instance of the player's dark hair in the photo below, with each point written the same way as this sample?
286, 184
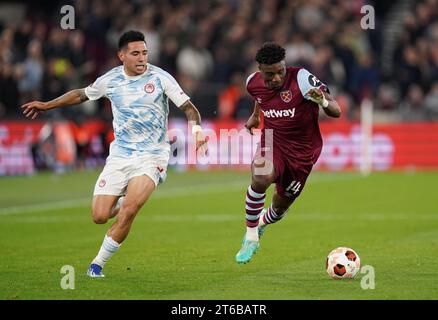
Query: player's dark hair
130, 36
270, 53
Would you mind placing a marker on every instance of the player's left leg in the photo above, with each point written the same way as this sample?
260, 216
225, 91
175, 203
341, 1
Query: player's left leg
277, 210
138, 192
287, 189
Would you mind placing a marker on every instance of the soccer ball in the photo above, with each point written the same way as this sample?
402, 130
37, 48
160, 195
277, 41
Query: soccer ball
342, 263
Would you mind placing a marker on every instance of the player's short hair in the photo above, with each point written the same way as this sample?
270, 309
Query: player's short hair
270, 53
130, 36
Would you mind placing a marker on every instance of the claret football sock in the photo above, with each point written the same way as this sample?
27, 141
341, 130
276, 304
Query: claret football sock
271, 216
254, 206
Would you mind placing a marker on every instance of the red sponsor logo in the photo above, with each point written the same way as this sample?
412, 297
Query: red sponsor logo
160, 169
102, 183
286, 96
149, 88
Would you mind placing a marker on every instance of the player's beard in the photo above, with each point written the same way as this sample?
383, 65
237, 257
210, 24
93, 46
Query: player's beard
273, 86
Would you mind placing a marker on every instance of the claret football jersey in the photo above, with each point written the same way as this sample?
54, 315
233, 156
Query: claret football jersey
291, 115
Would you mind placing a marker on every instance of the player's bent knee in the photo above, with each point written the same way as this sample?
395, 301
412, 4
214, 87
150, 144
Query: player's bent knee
99, 218
261, 182
259, 162
262, 169
101, 210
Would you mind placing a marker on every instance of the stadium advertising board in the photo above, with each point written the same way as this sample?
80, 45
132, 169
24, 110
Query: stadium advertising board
404, 146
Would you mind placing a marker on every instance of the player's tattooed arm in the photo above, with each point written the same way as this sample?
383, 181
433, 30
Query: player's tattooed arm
194, 118
75, 96
191, 112
34, 108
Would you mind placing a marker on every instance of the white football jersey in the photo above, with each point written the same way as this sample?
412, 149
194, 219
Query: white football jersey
140, 109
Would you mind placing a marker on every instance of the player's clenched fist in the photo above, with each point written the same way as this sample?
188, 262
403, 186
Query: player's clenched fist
317, 96
201, 143
201, 140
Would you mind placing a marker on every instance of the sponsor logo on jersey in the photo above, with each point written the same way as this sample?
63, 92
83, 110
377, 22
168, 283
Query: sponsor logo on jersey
286, 96
314, 81
149, 88
287, 113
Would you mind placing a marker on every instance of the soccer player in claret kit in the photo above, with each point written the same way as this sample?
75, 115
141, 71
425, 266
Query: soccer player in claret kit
290, 98
137, 163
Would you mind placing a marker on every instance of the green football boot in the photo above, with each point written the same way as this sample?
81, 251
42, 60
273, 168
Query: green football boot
249, 248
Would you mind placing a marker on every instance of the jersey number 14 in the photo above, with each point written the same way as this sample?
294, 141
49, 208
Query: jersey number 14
294, 186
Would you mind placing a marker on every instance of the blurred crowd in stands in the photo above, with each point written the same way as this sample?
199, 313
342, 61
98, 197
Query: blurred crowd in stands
209, 47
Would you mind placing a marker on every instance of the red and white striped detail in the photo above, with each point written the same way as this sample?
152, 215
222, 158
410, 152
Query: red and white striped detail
254, 206
271, 216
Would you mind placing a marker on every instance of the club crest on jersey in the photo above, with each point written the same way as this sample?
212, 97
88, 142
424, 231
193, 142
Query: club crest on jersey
102, 183
149, 88
286, 96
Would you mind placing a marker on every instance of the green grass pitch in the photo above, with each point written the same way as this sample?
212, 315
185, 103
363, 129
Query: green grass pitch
183, 242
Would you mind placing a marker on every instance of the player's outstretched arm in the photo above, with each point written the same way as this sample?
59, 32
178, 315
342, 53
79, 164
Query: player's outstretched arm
254, 119
326, 101
34, 108
194, 118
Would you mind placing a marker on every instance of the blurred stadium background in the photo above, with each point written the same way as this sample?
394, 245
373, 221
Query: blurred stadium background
209, 47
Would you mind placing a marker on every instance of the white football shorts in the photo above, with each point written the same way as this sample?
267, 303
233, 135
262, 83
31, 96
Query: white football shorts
118, 171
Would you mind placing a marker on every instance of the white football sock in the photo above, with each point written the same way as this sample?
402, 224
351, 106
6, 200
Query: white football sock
252, 234
261, 222
108, 248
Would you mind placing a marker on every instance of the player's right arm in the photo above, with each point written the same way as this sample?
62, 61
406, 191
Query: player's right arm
94, 91
254, 119
34, 108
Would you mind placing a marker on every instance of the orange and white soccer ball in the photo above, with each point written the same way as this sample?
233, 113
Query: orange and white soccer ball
342, 263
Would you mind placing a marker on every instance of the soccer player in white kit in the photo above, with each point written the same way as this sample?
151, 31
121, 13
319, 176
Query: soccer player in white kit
139, 154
